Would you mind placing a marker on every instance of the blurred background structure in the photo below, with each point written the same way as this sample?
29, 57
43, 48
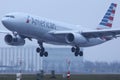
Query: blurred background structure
26, 60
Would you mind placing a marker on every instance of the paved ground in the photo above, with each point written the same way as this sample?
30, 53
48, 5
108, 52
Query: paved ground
59, 77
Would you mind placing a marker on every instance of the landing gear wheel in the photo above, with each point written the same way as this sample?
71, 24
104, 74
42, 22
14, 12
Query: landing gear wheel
73, 49
41, 50
41, 54
81, 53
76, 54
46, 54
77, 51
38, 50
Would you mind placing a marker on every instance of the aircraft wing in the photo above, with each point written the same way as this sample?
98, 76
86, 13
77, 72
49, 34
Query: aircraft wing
101, 33
5, 32
91, 33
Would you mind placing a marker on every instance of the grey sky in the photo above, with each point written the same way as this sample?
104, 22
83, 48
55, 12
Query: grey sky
87, 13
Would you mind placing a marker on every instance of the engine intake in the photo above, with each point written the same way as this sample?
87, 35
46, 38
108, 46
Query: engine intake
14, 41
75, 38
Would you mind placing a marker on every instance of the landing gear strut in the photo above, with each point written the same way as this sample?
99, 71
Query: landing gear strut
77, 51
41, 50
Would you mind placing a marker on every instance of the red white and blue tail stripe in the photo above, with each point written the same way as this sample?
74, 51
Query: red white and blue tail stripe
107, 20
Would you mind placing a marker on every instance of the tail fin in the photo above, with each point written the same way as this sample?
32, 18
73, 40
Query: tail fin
107, 20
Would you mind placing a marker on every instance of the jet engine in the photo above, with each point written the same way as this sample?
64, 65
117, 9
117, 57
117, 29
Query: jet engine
14, 41
75, 38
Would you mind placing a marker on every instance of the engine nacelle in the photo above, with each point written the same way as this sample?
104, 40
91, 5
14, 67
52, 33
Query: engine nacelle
14, 41
75, 38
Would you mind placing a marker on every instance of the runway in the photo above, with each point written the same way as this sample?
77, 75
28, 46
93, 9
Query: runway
59, 77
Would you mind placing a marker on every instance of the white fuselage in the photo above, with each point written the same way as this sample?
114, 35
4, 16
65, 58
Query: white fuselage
40, 28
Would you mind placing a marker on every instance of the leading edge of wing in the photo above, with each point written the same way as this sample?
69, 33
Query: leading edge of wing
5, 32
61, 32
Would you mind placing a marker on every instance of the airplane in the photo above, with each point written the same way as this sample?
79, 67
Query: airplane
23, 25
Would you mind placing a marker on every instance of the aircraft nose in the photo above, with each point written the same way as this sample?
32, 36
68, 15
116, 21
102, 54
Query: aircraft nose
4, 21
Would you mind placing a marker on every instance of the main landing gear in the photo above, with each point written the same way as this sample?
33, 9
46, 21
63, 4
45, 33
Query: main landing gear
41, 50
77, 51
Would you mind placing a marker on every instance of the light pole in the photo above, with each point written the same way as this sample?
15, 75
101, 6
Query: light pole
68, 66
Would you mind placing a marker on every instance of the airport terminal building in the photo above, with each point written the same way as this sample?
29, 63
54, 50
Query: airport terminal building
25, 59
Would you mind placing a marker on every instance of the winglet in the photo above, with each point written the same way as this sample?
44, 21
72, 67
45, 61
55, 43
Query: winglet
107, 20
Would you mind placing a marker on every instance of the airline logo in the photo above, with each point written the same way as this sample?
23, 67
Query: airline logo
109, 16
41, 23
28, 20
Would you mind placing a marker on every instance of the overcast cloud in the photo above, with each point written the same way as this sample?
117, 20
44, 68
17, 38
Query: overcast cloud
87, 13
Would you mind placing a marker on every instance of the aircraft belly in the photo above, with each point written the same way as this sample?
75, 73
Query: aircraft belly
54, 40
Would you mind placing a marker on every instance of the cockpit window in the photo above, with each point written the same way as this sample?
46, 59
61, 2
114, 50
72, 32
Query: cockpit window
10, 16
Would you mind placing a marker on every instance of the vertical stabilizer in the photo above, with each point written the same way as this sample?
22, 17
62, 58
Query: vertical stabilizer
107, 20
